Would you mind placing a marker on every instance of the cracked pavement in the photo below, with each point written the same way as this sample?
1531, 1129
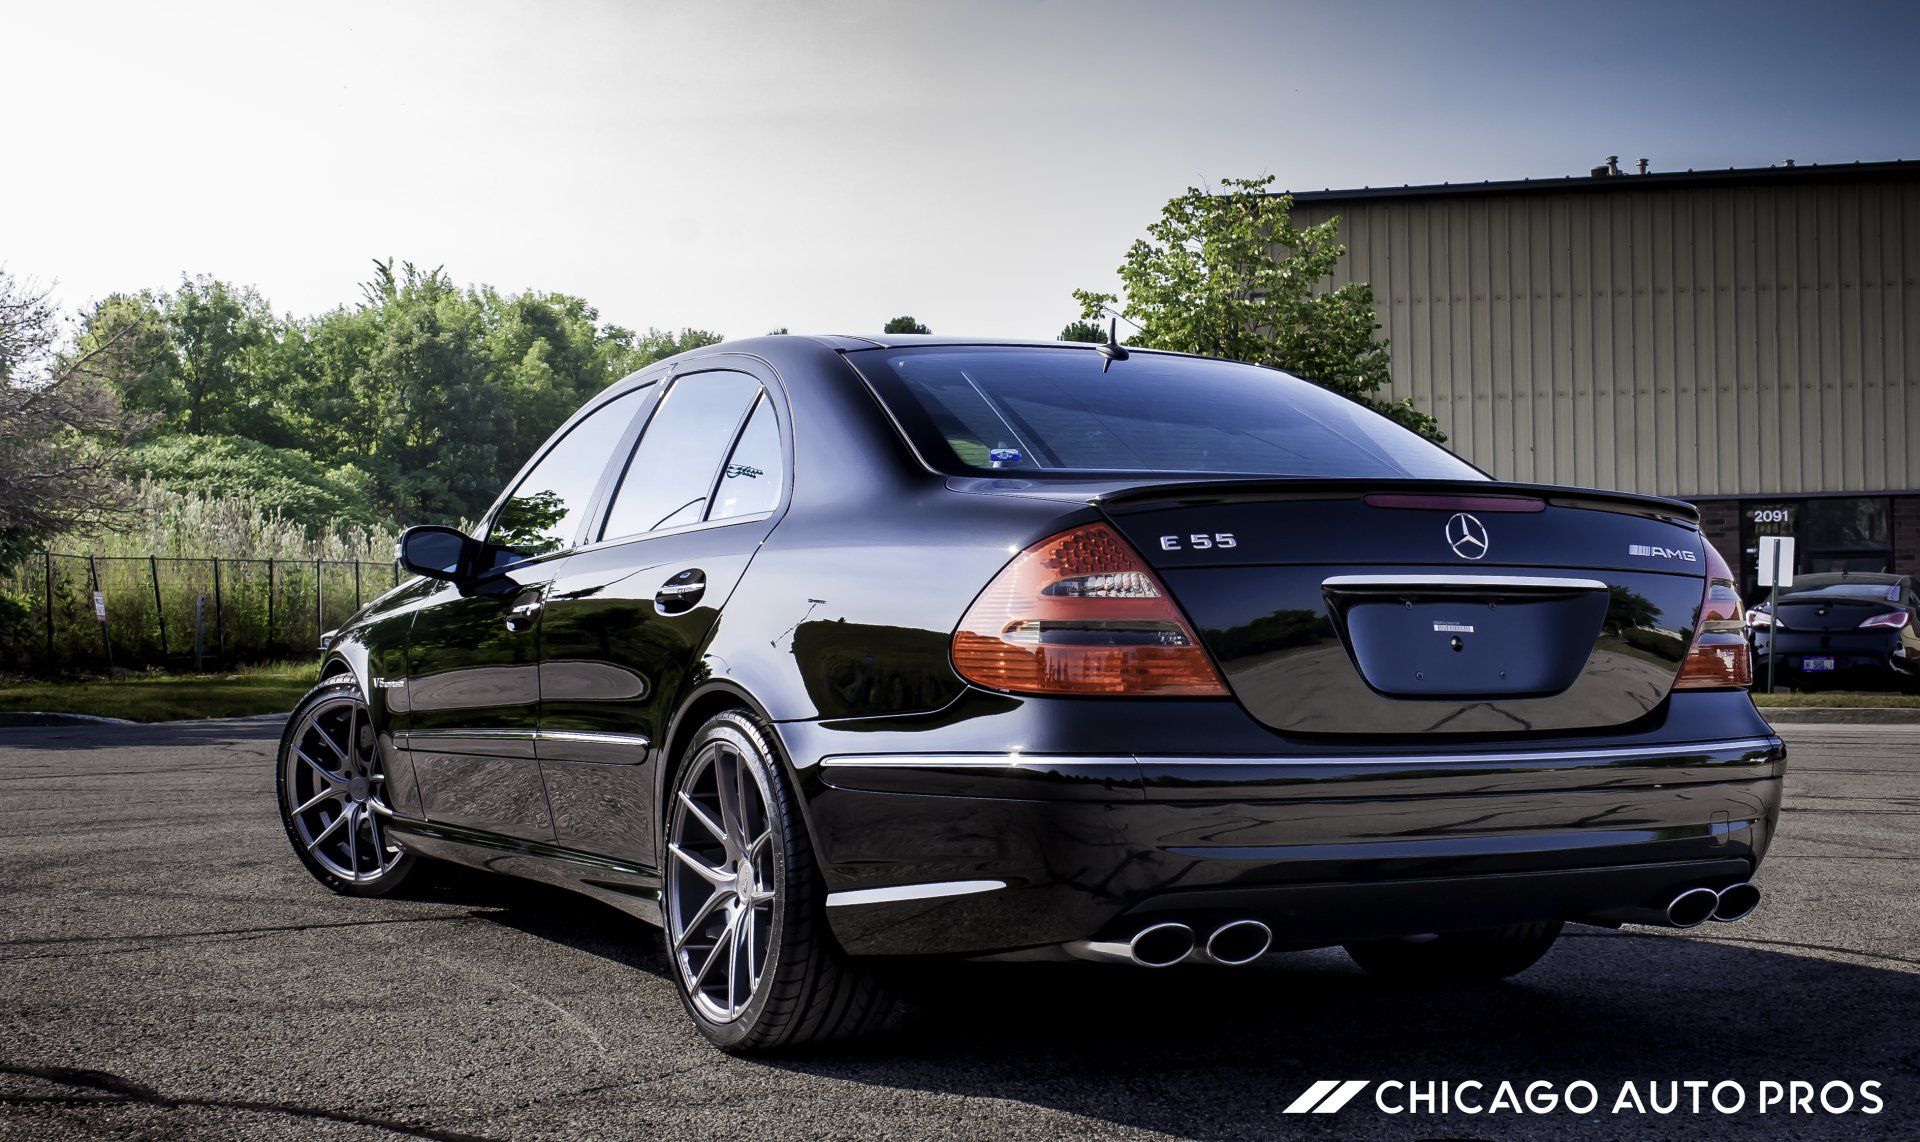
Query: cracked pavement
168, 969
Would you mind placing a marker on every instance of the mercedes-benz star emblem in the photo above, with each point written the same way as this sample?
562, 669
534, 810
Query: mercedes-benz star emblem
1467, 536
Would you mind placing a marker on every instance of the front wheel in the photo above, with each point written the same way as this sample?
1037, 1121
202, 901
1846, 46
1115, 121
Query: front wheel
744, 904
1457, 957
332, 785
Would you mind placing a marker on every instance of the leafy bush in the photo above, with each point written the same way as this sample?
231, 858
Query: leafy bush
280, 481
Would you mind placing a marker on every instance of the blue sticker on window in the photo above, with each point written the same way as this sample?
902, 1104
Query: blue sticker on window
999, 456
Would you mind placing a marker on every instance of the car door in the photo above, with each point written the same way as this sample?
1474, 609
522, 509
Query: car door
473, 685
627, 616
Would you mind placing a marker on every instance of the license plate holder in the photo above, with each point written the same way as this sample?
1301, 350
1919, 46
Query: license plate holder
1817, 664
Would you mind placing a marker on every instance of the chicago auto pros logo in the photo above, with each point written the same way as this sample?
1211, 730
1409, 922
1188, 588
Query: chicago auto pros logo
1661, 1097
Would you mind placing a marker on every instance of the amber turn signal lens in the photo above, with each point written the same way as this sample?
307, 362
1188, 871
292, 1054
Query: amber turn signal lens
1720, 658
1081, 613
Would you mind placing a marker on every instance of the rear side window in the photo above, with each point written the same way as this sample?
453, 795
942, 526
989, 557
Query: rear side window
543, 512
750, 483
673, 471
972, 409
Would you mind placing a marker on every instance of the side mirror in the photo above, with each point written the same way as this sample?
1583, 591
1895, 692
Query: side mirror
436, 552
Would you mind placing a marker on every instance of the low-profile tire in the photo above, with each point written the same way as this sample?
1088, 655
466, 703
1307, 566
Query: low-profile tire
744, 905
330, 781
1457, 957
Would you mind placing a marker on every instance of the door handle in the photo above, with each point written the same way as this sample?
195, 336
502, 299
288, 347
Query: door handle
521, 618
681, 592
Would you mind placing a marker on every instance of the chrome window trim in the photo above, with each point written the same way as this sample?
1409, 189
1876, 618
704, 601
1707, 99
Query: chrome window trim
900, 892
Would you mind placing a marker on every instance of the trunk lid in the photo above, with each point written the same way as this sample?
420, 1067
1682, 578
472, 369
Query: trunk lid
1829, 612
1423, 607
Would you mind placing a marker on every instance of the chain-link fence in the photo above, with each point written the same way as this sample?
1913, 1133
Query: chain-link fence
81, 612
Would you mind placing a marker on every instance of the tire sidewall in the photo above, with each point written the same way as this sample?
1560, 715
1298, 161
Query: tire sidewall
326, 691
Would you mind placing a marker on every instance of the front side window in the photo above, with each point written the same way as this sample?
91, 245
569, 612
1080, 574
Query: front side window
543, 512
970, 410
673, 471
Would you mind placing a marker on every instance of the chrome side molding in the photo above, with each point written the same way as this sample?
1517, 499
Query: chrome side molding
900, 892
579, 737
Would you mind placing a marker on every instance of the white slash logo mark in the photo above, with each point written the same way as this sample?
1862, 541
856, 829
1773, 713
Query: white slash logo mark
1326, 1096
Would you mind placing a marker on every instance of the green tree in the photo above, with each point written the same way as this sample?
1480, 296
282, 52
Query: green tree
905, 325
61, 427
222, 334
145, 372
1227, 275
659, 344
204, 358
1091, 331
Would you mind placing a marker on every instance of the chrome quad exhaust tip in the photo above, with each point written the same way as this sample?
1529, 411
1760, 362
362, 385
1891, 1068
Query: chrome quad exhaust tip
1736, 902
1693, 907
1239, 942
1162, 945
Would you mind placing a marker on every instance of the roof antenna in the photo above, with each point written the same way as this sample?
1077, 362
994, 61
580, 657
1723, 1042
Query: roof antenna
1112, 350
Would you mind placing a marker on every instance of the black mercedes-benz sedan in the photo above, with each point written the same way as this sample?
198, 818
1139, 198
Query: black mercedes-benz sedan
834, 656
1844, 628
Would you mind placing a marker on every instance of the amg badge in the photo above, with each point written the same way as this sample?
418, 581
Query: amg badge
1646, 552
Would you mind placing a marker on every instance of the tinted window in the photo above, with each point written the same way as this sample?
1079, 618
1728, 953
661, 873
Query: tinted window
992, 409
1821, 585
544, 510
673, 469
750, 483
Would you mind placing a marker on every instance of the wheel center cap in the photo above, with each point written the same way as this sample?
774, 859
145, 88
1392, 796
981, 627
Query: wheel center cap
358, 788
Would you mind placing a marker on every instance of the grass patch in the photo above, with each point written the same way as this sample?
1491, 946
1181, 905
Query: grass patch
1836, 699
268, 689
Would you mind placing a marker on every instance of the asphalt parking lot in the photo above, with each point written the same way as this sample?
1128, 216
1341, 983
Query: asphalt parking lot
167, 968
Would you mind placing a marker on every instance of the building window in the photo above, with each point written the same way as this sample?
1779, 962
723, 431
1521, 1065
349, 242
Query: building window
1839, 533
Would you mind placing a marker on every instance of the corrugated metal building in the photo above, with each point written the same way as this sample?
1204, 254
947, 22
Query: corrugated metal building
1746, 339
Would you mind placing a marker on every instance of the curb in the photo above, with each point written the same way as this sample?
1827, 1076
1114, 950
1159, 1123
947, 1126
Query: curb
1843, 715
50, 718
22, 719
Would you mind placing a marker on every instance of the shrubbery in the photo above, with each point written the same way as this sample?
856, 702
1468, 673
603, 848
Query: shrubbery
282, 481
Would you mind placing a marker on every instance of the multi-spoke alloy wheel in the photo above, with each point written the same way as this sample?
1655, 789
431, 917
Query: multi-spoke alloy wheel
720, 880
745, 908
333, 796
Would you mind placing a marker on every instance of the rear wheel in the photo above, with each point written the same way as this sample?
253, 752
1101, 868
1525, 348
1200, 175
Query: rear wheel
744, 905
1457, 957
332, 785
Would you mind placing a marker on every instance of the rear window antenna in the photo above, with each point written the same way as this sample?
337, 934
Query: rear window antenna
1111, 351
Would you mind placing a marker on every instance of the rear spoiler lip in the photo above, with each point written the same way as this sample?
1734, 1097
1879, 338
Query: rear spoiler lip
1660, 507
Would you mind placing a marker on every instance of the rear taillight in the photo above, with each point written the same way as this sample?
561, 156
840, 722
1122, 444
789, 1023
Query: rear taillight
1720, 658
1895, 620
1081, 613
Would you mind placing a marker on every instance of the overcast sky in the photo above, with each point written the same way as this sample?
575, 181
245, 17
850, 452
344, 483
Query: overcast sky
824, 166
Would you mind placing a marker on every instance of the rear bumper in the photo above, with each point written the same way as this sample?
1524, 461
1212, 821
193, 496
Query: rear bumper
1870, 658
978, 853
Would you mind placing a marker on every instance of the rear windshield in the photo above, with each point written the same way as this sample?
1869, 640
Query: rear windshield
1808, 585
970, 410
